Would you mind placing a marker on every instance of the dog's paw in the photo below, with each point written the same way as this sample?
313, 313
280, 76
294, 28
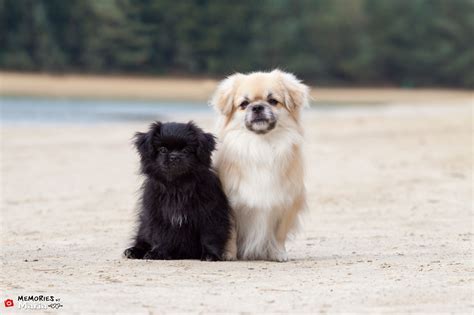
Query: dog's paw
280, 256
209, 257
230, 256
156, 255
134, 253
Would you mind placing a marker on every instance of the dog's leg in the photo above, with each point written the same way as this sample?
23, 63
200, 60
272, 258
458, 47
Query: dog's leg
276, 252
286, 223
289, 219
269, 248
230, 252
213, 244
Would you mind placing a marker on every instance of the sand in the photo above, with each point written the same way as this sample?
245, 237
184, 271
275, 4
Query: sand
389, 226
194, 89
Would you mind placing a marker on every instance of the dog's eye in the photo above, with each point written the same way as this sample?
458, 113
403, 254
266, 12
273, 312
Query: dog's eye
272, 101
163, 150
244, 104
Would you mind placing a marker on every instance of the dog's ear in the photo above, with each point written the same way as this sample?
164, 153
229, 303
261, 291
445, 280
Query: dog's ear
206, 143
143, 140
223, 98
296, 93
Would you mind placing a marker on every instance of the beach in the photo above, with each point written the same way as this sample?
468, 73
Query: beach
388, 226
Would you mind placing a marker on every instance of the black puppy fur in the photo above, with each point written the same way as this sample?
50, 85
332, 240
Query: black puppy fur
184, 212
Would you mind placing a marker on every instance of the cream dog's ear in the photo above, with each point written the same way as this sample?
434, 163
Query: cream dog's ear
223, 97
296, 93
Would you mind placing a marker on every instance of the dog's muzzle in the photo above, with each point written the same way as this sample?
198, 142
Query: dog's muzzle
260, 118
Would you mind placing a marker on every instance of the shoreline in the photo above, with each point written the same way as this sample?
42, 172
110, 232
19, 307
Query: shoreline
14, 84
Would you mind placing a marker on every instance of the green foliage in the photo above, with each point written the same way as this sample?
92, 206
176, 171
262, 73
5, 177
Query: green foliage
401, 42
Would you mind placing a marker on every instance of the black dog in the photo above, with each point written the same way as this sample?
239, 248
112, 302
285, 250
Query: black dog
184, 212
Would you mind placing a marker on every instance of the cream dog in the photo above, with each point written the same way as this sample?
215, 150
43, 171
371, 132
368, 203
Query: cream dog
259, 159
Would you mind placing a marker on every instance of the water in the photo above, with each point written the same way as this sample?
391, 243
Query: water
24, 110
44, 111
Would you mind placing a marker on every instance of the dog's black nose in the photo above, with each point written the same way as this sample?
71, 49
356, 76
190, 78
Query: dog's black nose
174, 158
257, 109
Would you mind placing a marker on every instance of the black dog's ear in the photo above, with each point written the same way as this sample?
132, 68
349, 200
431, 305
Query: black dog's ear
143, 140
206, 144
140, 140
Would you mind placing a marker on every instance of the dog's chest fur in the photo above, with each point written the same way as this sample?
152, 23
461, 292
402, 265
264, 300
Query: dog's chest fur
175, 207
261, 171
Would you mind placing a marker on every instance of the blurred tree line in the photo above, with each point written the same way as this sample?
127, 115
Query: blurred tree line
401, 42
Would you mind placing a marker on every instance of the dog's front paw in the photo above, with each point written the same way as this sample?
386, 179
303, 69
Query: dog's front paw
278, 255
156, 255
134, 253
230, 256
209, 257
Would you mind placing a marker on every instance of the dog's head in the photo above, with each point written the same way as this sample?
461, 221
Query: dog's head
170, 150
260, 101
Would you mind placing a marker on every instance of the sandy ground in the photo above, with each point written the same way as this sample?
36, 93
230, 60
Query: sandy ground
165, 88
389, 226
